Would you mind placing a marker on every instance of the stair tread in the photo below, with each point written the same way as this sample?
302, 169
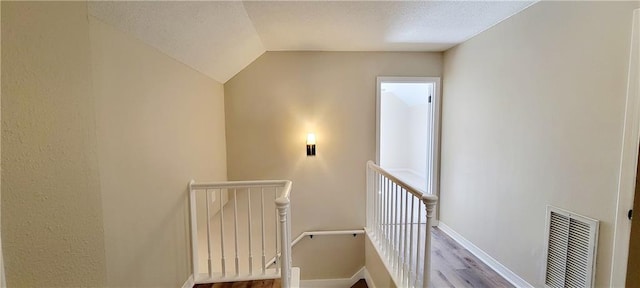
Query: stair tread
360, 284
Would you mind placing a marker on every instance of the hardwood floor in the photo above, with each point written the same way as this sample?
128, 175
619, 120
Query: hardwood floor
451, 266
454, 266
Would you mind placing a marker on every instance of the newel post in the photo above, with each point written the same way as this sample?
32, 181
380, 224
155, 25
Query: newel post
194, 231
285, 260
430, 204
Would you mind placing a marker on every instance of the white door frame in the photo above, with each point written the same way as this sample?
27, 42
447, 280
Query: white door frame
434, 179
628, 162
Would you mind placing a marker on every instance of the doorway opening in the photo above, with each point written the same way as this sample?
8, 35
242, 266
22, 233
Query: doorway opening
407, 129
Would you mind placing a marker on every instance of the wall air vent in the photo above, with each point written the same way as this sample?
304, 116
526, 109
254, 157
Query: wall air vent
571, 249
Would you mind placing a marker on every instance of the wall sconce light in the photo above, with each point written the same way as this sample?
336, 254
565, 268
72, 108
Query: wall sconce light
311, 144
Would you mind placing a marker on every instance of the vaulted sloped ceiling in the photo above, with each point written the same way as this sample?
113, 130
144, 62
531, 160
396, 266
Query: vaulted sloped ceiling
220, 38
215, 38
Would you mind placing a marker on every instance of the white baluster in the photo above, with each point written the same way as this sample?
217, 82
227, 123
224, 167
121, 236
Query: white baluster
397, 211
380, 192
194, 231
388, 218
392, 220
396, 239
379, 209
288, 244
395, 229
250, 249
275, 196
235, 229
264, 258
418, 235
377, 194
383, 213
413, 202
393, 226
405, 239
369, 199
224, 260
208, 201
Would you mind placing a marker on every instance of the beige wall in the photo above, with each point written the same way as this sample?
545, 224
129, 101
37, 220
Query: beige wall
160, 124
329, 257
275, 101
52, 230
532, 115
94, 177
375, 266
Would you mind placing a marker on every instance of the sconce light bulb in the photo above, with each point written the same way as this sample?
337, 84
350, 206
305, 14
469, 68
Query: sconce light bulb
311, 139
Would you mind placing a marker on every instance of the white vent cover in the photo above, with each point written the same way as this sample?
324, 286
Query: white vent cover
571, 249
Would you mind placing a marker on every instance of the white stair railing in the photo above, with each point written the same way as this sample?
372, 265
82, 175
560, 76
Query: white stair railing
395, 226
232, 227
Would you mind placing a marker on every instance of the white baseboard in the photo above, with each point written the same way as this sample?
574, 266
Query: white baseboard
295, 279
368, 279
336, 283
484, 257
189, 283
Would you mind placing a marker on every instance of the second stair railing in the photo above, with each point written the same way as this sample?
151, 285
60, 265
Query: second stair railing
399, 220
226, 217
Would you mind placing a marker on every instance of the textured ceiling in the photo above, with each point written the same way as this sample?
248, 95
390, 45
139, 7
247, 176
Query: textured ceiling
220, 38
215, 38
374, 26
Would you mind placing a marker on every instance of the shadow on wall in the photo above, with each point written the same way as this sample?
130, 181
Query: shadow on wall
152, 242
329, 256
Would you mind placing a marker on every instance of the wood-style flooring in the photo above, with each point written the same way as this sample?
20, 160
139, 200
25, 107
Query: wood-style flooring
454, 266
451, 266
